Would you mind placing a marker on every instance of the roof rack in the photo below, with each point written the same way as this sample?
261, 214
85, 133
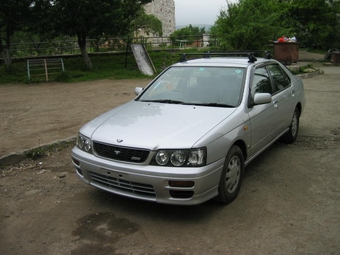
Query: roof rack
249, 54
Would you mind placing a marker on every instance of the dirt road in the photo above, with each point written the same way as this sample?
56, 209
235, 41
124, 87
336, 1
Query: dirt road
36, 114
289, 203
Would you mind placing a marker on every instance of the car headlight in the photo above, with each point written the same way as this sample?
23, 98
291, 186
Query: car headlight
180, 158
84, 143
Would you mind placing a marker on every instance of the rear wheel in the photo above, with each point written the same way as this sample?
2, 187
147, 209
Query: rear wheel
291, 135
232, 175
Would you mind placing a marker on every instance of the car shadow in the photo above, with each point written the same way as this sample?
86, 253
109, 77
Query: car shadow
151, 210
129, 207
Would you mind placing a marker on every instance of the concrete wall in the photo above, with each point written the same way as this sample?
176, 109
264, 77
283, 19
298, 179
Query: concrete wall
164, 10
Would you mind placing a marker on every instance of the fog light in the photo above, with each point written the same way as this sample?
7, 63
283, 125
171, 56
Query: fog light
76, 162
187, 184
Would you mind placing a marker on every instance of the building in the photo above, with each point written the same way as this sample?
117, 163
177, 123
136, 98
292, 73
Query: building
164, 10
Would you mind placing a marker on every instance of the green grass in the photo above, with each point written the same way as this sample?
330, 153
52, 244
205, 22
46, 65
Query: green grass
18, 73
105, 66
46, 150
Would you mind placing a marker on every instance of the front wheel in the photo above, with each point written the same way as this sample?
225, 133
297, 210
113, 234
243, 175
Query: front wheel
232, 175
291, 135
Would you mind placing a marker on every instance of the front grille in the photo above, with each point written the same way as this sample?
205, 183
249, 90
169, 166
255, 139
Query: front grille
145, 190
120, 153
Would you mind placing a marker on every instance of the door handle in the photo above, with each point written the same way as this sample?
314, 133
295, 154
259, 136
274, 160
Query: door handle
275, 103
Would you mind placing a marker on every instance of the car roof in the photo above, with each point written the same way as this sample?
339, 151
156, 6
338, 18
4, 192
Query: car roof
235, 62
209, 59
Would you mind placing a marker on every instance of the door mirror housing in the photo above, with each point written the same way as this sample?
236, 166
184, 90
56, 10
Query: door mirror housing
262, 98
138, 90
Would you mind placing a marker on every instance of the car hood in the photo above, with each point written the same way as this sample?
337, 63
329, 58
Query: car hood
155, 125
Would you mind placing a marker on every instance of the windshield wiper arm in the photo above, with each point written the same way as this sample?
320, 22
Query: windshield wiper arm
169, 101
217, 105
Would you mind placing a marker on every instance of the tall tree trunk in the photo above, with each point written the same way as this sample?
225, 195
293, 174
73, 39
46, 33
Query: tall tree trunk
7, 59
82, 46
5, 53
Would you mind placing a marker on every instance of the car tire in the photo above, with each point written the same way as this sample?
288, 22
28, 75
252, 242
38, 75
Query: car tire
232, 176
291, 135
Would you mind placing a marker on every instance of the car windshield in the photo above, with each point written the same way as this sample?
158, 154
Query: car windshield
208, 86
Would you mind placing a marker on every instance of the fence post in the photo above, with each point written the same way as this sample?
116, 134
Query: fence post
28, 70
46, 71
62, 65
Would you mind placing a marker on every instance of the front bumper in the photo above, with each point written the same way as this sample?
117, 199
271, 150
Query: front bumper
148, 182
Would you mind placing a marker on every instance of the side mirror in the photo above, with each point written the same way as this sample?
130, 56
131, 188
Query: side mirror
138, 90
262, 98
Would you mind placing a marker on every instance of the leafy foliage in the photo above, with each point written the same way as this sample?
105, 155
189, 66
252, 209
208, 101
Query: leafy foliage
247, 24
93, 18
148, 23
250, 24
12, 15
187, 34
313, 22
53, 18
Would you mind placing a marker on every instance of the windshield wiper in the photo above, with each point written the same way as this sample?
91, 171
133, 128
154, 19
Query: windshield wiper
217, 105
168, 101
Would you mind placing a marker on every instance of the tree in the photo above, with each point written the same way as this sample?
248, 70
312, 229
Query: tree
187, 34
38, 28
13, 14
313, 22
94, 18
249, 25
148, 23
335, 5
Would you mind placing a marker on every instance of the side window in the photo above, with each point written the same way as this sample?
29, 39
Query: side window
280, 78
261, 82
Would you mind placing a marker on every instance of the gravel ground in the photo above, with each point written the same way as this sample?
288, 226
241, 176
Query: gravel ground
289, 202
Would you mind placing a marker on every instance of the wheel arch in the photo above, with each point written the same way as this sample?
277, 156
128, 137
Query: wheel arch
242, 145
299, 107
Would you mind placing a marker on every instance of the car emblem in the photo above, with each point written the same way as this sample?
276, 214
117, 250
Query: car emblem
136, 158
119, 140
117, 152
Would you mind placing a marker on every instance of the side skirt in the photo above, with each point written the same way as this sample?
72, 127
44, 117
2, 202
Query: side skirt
266, 147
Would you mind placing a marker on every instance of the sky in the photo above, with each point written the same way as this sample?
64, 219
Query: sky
198, 11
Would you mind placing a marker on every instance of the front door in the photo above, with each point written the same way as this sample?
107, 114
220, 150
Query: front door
263, 118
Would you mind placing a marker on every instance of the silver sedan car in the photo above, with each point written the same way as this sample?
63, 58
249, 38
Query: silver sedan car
188, 136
